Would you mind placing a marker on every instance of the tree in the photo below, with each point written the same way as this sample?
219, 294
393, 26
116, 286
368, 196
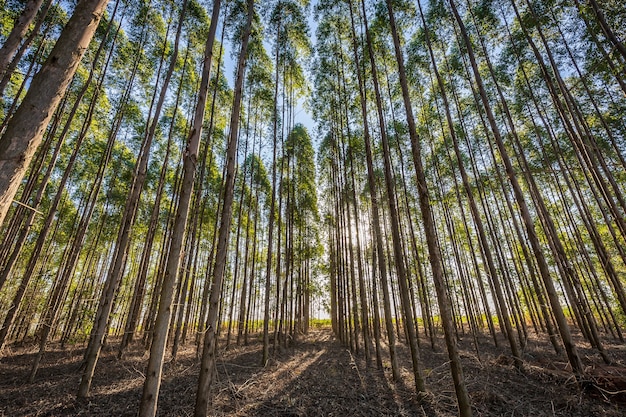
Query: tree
152, 383
431, 240
26, 128
209, 350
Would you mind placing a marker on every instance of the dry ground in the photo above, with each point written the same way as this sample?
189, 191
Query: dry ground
317, 376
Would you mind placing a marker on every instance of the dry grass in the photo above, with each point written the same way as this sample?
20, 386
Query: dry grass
317, 376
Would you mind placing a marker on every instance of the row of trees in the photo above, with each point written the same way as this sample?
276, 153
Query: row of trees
136, 204
473, 174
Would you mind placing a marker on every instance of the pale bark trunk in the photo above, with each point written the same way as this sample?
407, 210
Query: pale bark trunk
25, 129
152, 383
443, 299
270, 238
480, 228
105, 306
20, 28
9, 69
375, 216
523, 207
208, 354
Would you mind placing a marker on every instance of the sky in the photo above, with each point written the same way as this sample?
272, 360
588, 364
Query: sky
303, 115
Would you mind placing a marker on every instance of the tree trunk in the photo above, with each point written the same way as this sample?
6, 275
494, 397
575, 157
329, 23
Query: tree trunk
456, 369
19, 30
526, 216
270, 233
26, 128
154, 370
207, 364
484, 243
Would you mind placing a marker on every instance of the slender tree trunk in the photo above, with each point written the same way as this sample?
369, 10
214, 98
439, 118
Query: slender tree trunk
123, 240
135, 308
465, 409
152, 383
208, 354
484, 243
526, 216
270, 233
12, 42
5, 76
375, 215
607, 29
69, 266
207, 363
26, 128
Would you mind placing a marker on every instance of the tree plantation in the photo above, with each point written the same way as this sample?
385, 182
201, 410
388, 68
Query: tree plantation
300, 208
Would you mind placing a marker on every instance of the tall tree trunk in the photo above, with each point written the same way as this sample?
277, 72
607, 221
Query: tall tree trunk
140, 283
26, 128
68, 267
272, 215
375, 214
456, 369
523, 207
395, 223
19, 30
207, 364
484, 243
43, 233
607, 29
7, 72
154, 370
116, 270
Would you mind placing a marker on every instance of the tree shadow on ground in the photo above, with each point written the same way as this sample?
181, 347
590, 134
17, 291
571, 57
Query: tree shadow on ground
325, 379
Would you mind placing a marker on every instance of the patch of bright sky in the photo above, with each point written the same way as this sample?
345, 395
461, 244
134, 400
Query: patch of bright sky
303, 113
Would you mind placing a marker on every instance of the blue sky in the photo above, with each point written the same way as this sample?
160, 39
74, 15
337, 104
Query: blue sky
303, 116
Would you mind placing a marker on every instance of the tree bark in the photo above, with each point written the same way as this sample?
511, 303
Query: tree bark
19, 30
25, 129
154, 370
207, 363
456, 369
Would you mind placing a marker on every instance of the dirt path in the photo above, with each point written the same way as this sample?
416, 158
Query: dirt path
317, 376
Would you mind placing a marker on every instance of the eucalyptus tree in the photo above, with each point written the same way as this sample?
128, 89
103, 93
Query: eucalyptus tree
392, 202
13, 62
140, 283
293, 85
287, 26
258, 85
563, 326
68, 267
586, 145
12, 42
609, 32
429, 229
152, 383
371, 185
209, 350
25, 130
259, 182
259, 74
52, 210
476, 217
118, 262
304, 211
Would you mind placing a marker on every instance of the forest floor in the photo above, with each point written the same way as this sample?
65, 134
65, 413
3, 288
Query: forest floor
318, 376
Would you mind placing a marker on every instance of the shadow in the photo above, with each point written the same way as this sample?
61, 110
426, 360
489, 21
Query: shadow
325, 379
54, 391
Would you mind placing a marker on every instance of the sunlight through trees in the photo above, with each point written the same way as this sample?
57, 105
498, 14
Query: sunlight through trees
163, 186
